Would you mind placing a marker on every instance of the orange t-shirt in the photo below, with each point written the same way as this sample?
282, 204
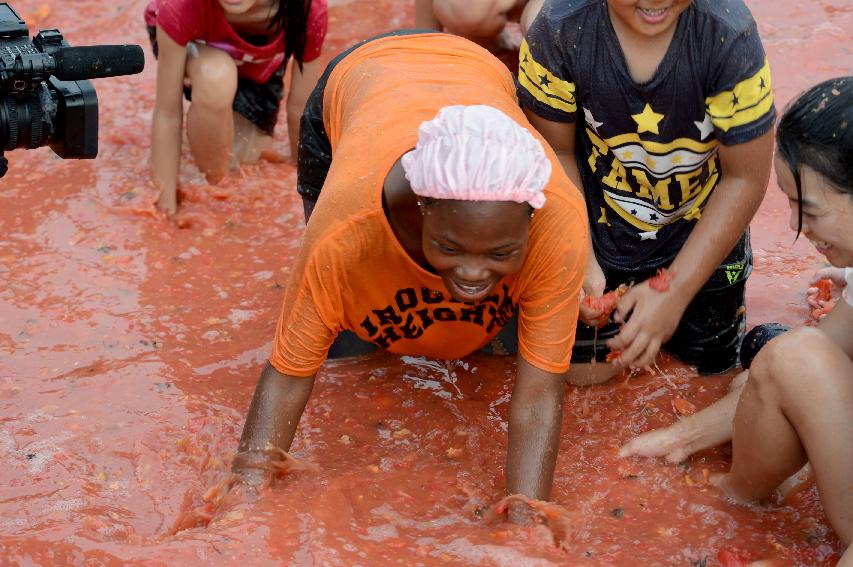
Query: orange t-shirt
352, 272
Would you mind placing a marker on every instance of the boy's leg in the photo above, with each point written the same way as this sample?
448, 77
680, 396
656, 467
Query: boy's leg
797, 405
210, 126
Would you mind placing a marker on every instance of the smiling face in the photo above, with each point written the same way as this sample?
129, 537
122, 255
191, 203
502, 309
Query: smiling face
235, 7
473, 244
648, 17
827, 212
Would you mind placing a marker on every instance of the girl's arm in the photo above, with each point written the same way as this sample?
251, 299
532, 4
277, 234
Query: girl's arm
838, 324
274, 413
168, 120
301, 85
535, 417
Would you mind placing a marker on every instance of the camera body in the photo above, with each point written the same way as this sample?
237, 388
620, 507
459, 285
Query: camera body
46, 98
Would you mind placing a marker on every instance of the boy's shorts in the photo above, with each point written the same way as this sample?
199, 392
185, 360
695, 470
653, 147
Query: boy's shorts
314, 158
259, 104
712, 327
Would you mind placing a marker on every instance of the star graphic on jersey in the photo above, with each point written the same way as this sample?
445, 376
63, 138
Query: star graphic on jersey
735, 100
647, 120
544, 80
590, 119
705, 127
653, 216
650, 235
762, 84
693, 214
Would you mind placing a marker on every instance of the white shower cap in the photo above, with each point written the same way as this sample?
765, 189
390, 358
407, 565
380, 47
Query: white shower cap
477, 153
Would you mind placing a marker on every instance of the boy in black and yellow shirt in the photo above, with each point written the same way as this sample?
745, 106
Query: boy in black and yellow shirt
662, 111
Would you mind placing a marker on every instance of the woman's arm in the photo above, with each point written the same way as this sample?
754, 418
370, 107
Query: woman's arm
168, 120
654, 315
301, 85
274, 413
535, 418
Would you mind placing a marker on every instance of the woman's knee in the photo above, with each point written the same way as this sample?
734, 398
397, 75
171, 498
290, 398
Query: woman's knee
213, 78
790, 361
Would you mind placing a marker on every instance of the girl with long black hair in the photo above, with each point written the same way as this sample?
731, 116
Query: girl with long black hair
797, 403
224, 55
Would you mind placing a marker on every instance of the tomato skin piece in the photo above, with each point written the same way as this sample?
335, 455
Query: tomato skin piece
660, 281
824, 290
683, 407
732, 558
605, 305
613, 355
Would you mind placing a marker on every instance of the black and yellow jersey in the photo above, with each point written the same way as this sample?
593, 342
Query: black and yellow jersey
647, 152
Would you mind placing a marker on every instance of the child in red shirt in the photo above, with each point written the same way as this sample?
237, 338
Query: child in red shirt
232, 54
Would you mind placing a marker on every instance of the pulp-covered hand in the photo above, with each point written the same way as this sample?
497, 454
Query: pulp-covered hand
591, 311
819, 295
652, 317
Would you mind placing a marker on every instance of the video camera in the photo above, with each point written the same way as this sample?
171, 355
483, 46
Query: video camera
45, 95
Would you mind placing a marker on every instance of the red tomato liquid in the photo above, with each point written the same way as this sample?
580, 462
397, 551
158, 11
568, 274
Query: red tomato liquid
129, 350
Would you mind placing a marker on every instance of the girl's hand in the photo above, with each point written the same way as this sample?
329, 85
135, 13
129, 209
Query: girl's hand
835, 275
168, 202
819, 295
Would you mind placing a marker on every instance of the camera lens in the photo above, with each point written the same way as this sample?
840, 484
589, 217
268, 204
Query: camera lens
22, 122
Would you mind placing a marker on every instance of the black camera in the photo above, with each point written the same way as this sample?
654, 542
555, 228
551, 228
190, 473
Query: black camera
45, 95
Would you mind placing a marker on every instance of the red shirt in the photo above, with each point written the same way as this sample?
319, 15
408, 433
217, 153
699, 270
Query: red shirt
203, 21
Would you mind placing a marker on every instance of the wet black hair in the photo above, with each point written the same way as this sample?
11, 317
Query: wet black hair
292, 17
816, 130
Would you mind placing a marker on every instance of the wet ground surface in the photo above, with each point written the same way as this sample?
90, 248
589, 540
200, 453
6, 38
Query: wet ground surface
130, 347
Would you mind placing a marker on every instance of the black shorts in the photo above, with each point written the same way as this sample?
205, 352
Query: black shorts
314, 158
259, 104
314, 152
712, 327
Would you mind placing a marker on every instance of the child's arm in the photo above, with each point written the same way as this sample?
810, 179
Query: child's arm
535, 417
654, 315
561, 137
274, 413
838, 324
425, 16
301, 85
167, 120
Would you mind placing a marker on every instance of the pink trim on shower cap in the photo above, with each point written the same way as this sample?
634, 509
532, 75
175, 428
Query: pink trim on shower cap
477, 153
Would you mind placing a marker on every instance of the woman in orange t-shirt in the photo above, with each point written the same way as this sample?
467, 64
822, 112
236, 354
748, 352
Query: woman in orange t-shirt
441, 215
